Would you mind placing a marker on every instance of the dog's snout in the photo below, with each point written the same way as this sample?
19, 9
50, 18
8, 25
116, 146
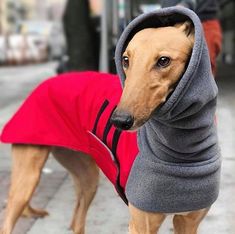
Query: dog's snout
122, 120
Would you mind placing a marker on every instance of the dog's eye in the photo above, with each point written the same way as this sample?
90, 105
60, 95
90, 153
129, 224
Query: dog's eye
163, 62
125, 62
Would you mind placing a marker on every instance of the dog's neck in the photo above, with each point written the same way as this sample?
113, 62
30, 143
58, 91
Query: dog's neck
179, 137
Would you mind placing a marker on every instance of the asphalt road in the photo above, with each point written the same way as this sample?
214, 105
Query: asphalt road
108, 214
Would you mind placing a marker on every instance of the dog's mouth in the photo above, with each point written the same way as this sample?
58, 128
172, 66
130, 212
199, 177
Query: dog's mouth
125, 121
137, 125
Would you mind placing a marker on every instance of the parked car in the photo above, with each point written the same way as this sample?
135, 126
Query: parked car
37, 49
3, 49
35, 27
56, 42
37, 33
48, 34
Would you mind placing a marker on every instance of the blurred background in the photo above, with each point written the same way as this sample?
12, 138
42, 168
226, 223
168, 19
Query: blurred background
39, 31
41, 38
30, 31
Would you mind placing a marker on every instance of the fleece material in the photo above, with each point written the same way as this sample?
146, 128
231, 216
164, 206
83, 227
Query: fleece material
171, 165
178, 166
73, 110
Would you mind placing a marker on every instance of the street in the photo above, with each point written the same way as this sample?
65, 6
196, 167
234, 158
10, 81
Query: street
108, 214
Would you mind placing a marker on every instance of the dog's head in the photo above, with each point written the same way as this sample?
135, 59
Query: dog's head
153, 62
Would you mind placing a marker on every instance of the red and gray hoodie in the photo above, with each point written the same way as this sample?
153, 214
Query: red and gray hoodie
172, 164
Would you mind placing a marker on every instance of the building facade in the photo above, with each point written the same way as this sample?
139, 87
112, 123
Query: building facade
14, 11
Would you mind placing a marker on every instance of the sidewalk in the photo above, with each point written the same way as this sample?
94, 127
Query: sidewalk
108, 214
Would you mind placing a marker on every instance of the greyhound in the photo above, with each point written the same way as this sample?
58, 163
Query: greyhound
153, 62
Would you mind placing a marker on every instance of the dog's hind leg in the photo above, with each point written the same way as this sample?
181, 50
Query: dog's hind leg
85, 175
28, 161
31, 212
185, 224
143, 222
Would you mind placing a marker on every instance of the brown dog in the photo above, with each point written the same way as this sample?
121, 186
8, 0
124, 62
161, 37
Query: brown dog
145, 89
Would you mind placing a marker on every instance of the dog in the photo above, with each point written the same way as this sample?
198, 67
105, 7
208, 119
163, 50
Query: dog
152, 69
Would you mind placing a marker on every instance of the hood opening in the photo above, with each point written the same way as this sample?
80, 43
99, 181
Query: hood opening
161, 18
197, 69
156, 22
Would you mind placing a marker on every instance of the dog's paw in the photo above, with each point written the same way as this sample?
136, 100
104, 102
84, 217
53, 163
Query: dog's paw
30, 212
3, 232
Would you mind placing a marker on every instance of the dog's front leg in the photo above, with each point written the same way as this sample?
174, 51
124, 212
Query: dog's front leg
143, 222
185, 224
28, 162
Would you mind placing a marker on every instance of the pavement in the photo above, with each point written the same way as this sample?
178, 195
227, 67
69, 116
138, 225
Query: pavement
108, 214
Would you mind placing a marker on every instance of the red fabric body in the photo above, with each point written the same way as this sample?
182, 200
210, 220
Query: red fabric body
63, 111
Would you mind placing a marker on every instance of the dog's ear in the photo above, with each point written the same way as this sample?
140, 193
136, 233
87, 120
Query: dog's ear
188, 28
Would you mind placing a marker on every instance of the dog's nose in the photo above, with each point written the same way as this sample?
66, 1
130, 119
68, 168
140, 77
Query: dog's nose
122, 120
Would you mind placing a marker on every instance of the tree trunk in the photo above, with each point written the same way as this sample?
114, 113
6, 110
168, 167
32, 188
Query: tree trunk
80, 36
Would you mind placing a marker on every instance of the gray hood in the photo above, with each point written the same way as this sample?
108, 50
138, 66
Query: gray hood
178, 166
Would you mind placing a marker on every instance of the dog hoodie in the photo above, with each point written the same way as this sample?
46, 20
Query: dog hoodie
171, 164
178, 165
